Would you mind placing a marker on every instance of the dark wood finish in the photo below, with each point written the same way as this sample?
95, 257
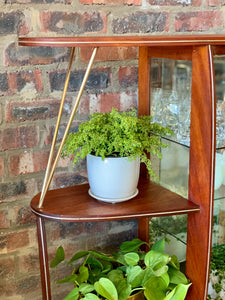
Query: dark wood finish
126, 41
43, 258
73, 204
201, 171
180, 53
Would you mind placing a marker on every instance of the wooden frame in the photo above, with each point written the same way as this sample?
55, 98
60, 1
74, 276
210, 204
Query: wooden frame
199, 206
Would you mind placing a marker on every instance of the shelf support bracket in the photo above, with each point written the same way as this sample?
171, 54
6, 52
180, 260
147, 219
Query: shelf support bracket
49, 174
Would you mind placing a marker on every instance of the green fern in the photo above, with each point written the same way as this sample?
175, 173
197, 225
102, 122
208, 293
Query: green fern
117, 135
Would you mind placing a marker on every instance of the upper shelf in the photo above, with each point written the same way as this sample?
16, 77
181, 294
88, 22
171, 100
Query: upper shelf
123, 41
73, 204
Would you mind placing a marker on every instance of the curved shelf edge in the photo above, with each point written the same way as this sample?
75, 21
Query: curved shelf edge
73, 204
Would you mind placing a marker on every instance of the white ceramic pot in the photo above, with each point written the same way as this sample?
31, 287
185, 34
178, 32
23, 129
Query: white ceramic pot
113, 179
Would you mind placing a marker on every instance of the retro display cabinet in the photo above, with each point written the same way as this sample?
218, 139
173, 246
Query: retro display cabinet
153, 200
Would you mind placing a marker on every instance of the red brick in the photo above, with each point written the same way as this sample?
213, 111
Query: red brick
198, 21
21, 81
80, 22
109, 53
28, 162
108, 101
128, 76
18, 138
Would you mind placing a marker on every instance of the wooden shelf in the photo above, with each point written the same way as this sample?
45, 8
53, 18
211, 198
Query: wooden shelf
73, 204
123, 41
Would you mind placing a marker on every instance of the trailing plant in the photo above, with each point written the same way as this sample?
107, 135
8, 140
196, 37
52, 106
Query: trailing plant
121, 274
217, 273
117, 135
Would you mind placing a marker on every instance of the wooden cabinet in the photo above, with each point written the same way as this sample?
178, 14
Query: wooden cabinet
152, 200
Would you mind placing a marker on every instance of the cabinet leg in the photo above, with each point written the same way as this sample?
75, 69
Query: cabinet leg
43, 257
143, 230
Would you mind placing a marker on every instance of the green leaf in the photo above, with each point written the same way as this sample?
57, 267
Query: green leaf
83, 274
85, 288
106, 288
174, 262
73, 295
159, 246
161, 271
101, 255
91, 297
135, 276
148, 273
71, 278
59, 257
178, 293
131, 246
131, 258
155, 259
78, 255
155, 288
177, 276
121, 284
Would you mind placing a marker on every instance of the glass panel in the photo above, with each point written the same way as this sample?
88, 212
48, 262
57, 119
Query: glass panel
170, 106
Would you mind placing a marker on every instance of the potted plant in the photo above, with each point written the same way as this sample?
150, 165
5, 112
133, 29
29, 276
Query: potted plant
125, 273
115, 144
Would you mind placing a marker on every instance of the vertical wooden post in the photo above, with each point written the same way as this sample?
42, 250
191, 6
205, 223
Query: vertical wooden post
201, 173
143, 109
43, 258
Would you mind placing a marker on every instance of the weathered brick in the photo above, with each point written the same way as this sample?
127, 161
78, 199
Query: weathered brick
11, 83
215, 2
98, 79
176, 2
51, 130
128, 100
18, 138
112, 2
12, 22
40, 109
4, 219
7, 289
128, 76
14, 241
65, 180
109, 53
31, 162
29, 262
198, 21
8, 190
24, 215
7, 267
40, 1
2, 167
73, 23
141, 22
27, 284
18, 56
108, 101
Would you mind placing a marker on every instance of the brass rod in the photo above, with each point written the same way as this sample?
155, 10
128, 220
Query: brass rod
69, 123
57, 123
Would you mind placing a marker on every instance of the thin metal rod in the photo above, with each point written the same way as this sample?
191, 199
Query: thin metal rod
69, 124
58, 122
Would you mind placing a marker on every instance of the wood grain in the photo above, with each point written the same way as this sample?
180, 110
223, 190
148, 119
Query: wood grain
73, 204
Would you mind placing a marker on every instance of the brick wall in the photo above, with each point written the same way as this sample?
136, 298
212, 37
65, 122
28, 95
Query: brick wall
31, 83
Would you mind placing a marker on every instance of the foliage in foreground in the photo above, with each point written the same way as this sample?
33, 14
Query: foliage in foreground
117, 276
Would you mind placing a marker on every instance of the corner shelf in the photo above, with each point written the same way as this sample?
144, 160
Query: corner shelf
77, 206
74, 204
